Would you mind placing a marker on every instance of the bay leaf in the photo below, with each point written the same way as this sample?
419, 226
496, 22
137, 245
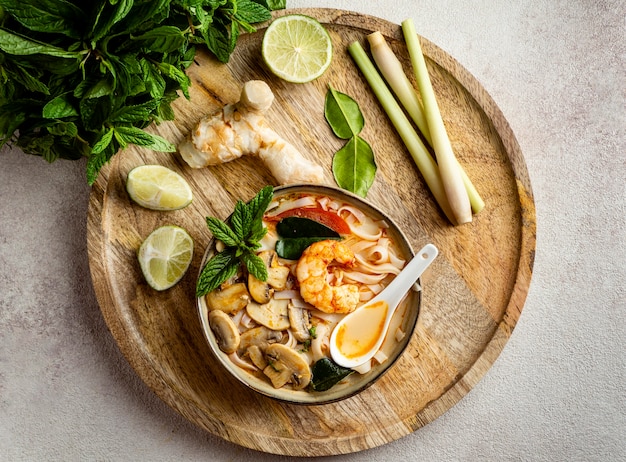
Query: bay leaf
354, 166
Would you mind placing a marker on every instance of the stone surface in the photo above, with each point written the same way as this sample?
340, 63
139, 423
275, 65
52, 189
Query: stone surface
557, 70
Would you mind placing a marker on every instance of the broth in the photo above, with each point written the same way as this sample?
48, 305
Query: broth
305, 298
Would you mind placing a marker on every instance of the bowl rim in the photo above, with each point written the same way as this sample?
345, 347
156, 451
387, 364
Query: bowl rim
303, 397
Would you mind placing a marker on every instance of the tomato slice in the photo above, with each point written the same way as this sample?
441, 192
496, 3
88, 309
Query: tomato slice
330, 219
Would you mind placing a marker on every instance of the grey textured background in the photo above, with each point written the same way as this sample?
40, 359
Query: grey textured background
557, 70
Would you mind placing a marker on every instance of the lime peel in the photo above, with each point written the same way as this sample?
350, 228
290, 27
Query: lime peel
297, 48
157, 187
165, 255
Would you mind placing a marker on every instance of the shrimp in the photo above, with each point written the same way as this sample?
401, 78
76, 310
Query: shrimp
312, 272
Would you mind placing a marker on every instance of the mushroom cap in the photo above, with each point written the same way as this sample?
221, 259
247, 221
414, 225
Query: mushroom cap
260, 336
225, 331
273, 314
286, 365
261, 291
229, 299
299, 320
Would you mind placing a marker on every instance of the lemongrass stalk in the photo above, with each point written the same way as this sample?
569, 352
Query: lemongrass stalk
411, 139
446, 160
391, 69
476, 201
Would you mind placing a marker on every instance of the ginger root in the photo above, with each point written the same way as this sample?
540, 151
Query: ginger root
241, 129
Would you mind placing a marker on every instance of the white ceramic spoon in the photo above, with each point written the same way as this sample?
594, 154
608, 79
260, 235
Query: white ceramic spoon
358, 336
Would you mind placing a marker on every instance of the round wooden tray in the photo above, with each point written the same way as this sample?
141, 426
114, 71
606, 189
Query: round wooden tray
473, 294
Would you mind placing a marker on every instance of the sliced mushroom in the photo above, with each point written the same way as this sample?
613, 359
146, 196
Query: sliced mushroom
272, 314
225, 331
286, 365
228, 299
260, 336
299, 320
277, 276
257, 356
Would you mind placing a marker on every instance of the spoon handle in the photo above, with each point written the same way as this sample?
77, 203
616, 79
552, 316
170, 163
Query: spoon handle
400, 285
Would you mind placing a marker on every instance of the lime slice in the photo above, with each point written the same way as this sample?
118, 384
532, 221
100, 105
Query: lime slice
157, 187
297, 48
165, 256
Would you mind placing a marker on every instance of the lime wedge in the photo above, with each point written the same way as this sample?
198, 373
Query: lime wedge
297, 48
157, 187
165, 256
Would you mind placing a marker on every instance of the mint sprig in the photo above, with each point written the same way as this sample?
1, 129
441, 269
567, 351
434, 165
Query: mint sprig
85, 78
241, 236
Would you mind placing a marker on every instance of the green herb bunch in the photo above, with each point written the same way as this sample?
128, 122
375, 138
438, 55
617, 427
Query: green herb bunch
84, 78
241, 237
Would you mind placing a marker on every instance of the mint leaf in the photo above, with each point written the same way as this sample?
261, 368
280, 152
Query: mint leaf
163, 39
132, 114
259, 203
241, 241
14, 44
96, 161
255, 265
107, 19
222, 232
218, 269
134, 135
272, 4
241, 220
175, 74
63, 130
257, 207
257, 233
59, 107
251, 12
25, 77
121, 64
103, 142
57, 16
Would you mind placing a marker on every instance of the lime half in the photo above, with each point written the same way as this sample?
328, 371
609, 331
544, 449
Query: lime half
156, 187
297, 48
165, 256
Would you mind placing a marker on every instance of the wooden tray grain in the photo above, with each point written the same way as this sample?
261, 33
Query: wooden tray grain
473, 294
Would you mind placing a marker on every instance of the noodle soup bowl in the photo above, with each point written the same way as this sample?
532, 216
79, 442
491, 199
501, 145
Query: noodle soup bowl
396, 341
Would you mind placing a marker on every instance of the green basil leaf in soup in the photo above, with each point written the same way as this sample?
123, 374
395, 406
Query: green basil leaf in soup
326, 374
292, 248
294, 227
354, 166
343, 114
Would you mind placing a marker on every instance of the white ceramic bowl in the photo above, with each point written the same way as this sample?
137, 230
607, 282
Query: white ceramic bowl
406, 315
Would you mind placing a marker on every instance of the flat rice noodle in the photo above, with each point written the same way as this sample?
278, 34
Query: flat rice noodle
364, 368
360, 224
306, 201
322, 339
364, 278
234, 357
386, 268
